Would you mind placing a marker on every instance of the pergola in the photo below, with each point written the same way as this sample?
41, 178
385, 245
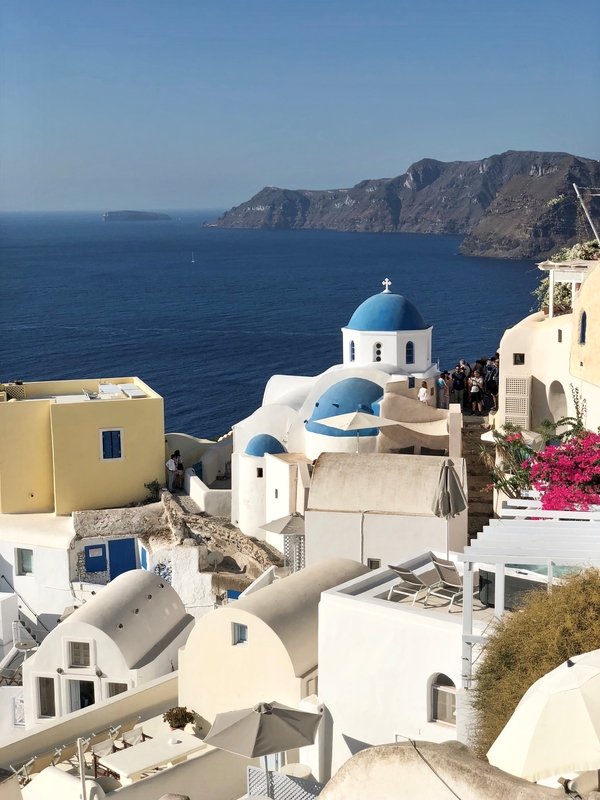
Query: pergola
572, 271
546, 543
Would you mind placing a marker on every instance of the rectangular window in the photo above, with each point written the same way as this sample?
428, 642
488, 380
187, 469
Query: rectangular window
518, 359
110, 444
443, 705
113, 689
79, 654
559, 335
411, 383
47, 704
276, 493
240, 633
373, 563
24, 562
81, 695
259, 472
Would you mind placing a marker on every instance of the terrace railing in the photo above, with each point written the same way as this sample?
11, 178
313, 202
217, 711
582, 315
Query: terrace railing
281, 787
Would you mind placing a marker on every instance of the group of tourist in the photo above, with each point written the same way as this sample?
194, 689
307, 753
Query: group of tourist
471, 386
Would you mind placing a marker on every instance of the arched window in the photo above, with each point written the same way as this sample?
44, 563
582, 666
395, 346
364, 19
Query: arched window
443, 700
377, 352
582, 327
352, 351
410, 353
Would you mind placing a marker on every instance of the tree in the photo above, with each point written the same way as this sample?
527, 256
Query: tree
524, 646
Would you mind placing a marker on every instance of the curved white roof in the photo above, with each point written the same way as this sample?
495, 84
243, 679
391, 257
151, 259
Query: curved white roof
137, 610
290, 606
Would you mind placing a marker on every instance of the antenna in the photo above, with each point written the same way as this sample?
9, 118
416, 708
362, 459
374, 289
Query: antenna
587, 213
215, 558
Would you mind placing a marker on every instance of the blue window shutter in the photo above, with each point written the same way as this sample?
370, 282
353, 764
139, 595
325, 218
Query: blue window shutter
95, 558
106, 444
410, 353
116, 444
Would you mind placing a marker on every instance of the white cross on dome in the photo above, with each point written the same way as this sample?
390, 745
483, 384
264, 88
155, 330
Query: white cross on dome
387, 283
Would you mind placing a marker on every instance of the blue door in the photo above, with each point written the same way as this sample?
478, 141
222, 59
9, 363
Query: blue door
121, 556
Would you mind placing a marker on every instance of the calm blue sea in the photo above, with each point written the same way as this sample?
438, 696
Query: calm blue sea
84, 298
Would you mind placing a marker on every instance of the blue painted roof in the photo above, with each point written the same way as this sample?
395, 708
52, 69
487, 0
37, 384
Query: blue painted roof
264, 443
387, 312
351, 394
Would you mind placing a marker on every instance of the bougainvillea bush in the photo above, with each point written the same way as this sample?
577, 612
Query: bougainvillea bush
568, 475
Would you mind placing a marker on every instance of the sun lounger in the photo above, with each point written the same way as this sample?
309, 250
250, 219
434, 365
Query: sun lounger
411, 584
450, 584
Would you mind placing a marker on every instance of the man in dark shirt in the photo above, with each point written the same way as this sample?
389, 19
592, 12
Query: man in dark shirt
458, 385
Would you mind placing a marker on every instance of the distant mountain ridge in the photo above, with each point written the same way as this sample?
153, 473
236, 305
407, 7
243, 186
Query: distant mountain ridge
506, 205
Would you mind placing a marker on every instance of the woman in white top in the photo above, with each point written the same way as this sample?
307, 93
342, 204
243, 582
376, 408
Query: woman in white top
423, 393
476, 384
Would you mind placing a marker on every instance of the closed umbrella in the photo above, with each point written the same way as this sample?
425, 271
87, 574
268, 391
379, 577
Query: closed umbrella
263, 730
449, 499
356, 421
555, 729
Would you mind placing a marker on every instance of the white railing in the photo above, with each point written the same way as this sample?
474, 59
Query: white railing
18, 710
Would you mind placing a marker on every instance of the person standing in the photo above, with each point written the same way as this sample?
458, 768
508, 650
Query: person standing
476, 384
423, 393
179, 469
171, 471
458, 385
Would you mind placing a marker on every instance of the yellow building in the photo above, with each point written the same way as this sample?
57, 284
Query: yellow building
82, 444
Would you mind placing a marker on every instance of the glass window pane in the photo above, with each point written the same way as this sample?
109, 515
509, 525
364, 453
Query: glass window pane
240, 633
46, 695
113, 689
25, 562
79, 654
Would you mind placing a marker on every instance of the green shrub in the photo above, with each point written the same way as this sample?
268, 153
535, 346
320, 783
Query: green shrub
525, 645
153, 492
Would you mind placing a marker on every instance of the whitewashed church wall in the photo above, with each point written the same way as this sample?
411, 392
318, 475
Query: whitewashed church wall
249, 511
317, 443
280, 485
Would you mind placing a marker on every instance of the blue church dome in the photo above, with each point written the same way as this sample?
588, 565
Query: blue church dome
349, 395
387, 312
264, 443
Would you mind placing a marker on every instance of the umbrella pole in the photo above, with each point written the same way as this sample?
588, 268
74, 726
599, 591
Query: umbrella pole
447, 538
357, 441
267, 777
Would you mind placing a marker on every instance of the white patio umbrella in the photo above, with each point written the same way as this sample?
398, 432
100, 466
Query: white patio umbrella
555, 729
449, 499
292, 526
356, 421
263, 730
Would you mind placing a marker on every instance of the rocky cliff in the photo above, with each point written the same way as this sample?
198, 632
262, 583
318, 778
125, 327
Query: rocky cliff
513, 205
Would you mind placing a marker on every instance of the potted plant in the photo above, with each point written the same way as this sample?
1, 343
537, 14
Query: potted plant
178, 717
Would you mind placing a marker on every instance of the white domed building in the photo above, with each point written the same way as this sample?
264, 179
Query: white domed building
386, 339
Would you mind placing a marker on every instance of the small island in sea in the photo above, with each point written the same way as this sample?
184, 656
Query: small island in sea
134, 216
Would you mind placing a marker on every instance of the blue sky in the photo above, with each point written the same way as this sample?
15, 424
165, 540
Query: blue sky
188, 104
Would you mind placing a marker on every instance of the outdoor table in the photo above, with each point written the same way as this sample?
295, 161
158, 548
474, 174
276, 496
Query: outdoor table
297, 771
131, 762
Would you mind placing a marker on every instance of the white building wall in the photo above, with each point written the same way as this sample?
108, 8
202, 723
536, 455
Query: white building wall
280, 483
105, 657
388, 537
216, 502
547, 362
45, 593
317, 443
376, 666
248, 510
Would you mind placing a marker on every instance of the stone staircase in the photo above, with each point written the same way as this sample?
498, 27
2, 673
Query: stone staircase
478, 477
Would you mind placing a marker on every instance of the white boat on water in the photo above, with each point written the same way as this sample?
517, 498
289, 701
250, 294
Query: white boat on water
193, 262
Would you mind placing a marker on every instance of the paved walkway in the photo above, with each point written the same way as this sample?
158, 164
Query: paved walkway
186, 504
